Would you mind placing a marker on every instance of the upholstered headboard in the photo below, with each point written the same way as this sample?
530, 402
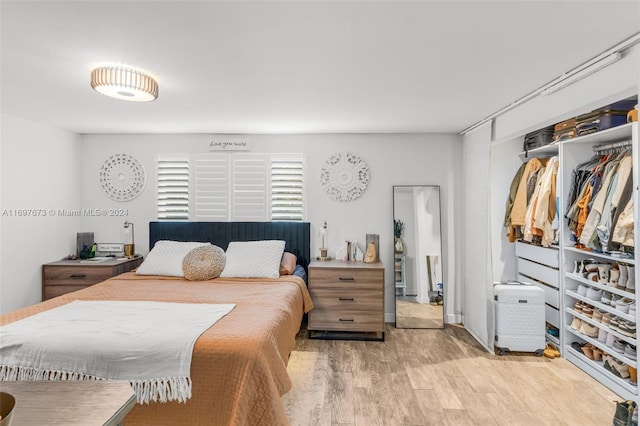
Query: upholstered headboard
296, 234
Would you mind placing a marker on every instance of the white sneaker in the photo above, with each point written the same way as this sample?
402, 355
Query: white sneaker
630, 285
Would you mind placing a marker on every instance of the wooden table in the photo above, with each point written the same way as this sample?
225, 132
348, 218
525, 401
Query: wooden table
82, 403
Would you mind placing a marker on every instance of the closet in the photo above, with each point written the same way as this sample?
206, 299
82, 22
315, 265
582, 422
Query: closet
589, 318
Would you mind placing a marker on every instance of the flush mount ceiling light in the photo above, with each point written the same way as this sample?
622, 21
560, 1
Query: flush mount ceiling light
124, 83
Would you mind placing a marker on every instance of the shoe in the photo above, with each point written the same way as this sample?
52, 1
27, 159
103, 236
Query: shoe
582, 289
551, 351
585, 263
575, 324
614, 276
594, 293
627, 328
593, 276
577, 267
633, 376
610, 339
632, 309
614, 324
602, 335
630, 352
614, 299
553, 331
618, 346
587, 311
588, 329
624, 413
578, 306
618, 368
597, 315
606, 319
597, 353
623, 305
587, 350
630, 285
606, 298
622, 281
603, 273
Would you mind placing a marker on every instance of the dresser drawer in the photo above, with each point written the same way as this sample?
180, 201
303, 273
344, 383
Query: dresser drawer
338, 320
51, 291
74, 276
345, 278
352, 300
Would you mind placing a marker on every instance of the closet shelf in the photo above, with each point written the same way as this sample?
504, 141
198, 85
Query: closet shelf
601, 326
614, 134
628, 261
607, 308
620, 357
629, 391
606, 288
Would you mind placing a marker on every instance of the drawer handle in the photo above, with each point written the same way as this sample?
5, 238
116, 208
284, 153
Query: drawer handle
346, 299
346, 279
78, 276
346, 320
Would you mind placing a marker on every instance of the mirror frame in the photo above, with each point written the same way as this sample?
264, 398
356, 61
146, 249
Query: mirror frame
441, 322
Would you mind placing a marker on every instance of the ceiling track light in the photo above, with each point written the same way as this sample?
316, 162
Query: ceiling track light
124, 83
579, 74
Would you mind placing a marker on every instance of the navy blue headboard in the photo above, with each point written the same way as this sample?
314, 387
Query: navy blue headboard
296, 234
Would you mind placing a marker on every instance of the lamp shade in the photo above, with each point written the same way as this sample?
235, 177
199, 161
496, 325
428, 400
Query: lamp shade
124, 83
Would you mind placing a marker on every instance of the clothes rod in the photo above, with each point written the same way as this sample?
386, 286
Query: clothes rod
612, 146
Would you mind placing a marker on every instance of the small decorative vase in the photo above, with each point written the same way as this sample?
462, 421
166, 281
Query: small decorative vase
399, 246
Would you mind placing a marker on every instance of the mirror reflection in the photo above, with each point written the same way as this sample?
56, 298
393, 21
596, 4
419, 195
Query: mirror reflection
418, 257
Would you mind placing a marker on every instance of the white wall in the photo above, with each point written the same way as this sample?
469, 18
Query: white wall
393, 159
41, 171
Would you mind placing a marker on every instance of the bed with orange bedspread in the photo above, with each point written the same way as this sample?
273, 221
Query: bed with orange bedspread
238, 368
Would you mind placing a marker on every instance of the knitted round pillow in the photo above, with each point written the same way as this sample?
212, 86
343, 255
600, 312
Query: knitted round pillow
203, 263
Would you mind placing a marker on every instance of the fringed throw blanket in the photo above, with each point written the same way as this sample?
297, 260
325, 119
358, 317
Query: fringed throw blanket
150, 344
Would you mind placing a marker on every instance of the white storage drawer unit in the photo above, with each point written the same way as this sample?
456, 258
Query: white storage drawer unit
551, 294
539, 272
544, 255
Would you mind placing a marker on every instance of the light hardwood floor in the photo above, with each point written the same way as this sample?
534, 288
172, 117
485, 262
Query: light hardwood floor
436, 377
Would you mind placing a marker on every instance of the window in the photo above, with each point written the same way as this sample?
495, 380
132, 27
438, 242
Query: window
238, 187
173, 187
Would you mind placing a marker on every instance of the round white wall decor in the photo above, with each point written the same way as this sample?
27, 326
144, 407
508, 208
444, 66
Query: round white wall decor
344, 176
122, 177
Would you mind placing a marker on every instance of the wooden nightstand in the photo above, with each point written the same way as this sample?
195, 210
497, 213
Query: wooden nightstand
348, 299
65, 276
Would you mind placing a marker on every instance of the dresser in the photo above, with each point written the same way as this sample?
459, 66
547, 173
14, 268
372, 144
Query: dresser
65, 276
348, 299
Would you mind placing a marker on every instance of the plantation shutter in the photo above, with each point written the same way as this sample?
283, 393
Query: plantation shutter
212, 187
287, 187
250, 187
173, 186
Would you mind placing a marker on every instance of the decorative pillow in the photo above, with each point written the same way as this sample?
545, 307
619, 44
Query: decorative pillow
253, 259
288, 263
203, 263
166, 258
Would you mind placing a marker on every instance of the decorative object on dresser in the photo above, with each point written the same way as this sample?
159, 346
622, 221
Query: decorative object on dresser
344, 176
122, 177
348, 300
129, 240
372, 254
324, 252
65, 276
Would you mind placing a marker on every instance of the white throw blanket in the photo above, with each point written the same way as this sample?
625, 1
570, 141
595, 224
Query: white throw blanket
150, 344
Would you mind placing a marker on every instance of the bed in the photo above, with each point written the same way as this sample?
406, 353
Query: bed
238, 368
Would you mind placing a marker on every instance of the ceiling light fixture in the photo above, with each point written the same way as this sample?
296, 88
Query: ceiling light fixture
124, 83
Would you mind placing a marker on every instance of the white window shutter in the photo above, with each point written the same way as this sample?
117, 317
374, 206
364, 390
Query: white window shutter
250, 187
287, 187
173, 187
211, 187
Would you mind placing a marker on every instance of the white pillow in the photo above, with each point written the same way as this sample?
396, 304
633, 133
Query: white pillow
166, 258
253, 259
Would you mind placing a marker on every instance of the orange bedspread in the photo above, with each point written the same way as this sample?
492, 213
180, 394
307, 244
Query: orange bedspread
238, 369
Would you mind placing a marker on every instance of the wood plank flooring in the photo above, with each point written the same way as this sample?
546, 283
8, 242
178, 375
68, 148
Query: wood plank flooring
436, 377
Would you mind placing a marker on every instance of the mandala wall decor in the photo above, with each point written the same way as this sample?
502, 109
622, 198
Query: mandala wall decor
344, 176
122, 177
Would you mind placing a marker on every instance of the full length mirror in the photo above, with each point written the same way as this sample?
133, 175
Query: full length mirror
418, 257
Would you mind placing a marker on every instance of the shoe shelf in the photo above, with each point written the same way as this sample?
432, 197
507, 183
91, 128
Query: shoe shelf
608, 308
608, 257
620, 357
591, 321
607, 288
596, 368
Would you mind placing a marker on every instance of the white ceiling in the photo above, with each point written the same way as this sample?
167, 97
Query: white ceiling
296, 67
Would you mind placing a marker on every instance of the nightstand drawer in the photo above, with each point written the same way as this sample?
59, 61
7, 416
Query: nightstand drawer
345, 278
338, 320
354, 300
51, 291
74, 276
